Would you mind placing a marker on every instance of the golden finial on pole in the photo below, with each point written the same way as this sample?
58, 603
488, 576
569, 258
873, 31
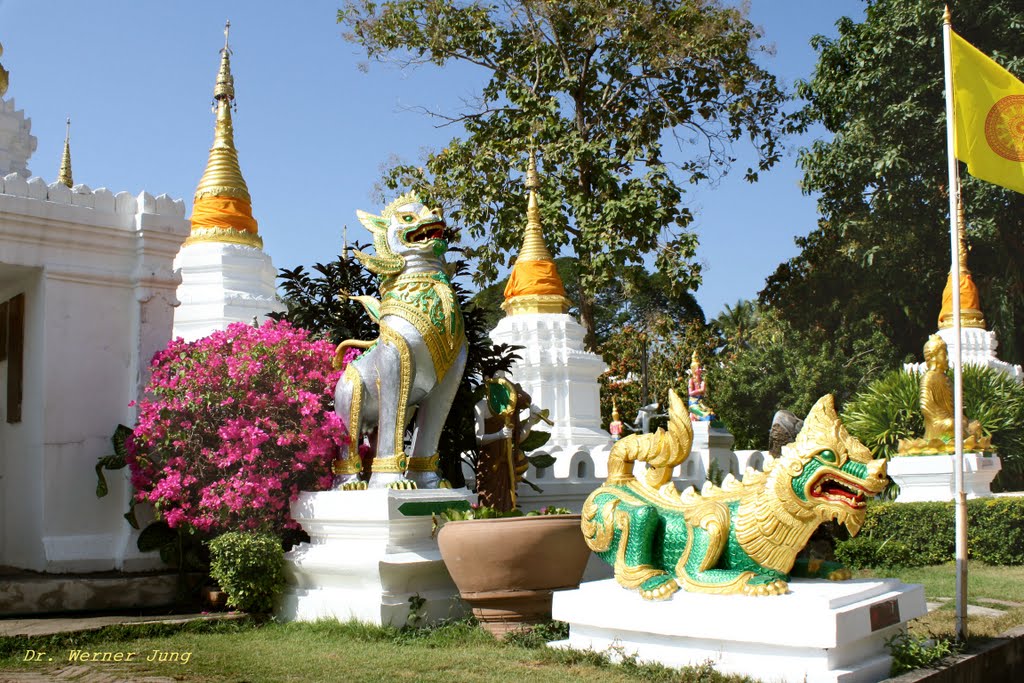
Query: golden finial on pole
534, 248
532, 179
947, 17
227, 29
64, 175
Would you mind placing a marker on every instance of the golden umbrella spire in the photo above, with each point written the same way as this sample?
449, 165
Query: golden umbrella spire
64, 174
970, 302
222, 207
223, 176
4, 76
534, 248
534, 285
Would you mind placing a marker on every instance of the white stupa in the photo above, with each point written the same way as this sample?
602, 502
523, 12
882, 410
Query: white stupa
556, 370
977, 344
225, 275
16, 140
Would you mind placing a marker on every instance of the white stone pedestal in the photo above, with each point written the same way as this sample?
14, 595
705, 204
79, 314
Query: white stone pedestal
369, 553
930, 477
820, 632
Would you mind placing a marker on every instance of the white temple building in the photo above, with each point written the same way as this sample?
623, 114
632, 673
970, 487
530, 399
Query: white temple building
225, 275
87, 291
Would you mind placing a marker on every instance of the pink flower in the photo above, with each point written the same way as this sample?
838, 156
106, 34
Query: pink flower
234, 426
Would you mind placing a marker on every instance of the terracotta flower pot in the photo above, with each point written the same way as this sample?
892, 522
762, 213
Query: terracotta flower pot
507, 568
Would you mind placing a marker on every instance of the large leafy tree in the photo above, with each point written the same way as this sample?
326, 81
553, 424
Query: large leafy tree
784, 368
599, 87
880, 254
735, 323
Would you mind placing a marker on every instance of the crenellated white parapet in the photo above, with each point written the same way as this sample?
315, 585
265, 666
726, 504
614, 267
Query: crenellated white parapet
978, 348
16, 140
222, 284
95, 271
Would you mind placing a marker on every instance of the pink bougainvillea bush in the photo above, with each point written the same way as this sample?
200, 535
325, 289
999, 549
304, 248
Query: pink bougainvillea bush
234, 426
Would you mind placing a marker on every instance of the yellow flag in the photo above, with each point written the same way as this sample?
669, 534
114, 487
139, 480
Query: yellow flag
989, 115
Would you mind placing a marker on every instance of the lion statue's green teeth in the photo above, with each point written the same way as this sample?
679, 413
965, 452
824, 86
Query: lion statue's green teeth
742, 537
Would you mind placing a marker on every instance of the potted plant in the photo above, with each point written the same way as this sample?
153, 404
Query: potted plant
506, 564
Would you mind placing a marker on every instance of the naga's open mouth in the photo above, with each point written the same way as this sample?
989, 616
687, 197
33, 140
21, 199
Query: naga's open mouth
840, 491
426, 232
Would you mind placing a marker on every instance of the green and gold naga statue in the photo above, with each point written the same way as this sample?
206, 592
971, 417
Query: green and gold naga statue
742, 537
416, 363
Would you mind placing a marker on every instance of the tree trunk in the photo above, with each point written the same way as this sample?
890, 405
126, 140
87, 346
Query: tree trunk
587, 319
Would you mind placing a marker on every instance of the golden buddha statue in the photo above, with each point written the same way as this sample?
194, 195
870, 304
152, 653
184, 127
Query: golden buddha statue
937, 409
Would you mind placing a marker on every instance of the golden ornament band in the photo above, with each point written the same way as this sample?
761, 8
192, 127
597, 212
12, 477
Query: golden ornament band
395, 464
224, 235
424, 464
350, 465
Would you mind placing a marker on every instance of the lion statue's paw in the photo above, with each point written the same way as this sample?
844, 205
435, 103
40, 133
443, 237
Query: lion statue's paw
841, 574
774, 587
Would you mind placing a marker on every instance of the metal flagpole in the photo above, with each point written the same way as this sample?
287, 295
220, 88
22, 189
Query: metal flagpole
958, 385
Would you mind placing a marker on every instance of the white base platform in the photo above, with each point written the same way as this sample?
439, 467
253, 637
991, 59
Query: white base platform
370, 552
820, 632
930, 477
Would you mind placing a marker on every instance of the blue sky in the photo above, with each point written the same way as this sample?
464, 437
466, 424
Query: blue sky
313, 129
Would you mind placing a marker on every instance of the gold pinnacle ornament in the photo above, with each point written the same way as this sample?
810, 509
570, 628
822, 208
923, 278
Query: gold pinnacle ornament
534, 285
970, 302
222, 207
64, 174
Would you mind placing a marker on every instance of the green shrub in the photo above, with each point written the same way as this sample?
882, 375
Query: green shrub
995, 530
920, 534
862, 551
249, 567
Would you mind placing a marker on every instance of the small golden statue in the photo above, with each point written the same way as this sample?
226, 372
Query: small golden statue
937, 410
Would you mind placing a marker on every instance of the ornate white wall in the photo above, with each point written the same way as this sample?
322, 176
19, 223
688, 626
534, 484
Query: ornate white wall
96, 272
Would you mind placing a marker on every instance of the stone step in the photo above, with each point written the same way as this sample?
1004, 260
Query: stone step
29, 593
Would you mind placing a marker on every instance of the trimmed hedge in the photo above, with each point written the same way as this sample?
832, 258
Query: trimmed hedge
919, 534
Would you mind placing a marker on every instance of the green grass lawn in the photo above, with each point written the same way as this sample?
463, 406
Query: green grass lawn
256, 652
329, 651
983, 581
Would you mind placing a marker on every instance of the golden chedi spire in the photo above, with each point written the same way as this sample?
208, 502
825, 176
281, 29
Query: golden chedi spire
970, 303
222, 207
64, 174
4, 76
534, 285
